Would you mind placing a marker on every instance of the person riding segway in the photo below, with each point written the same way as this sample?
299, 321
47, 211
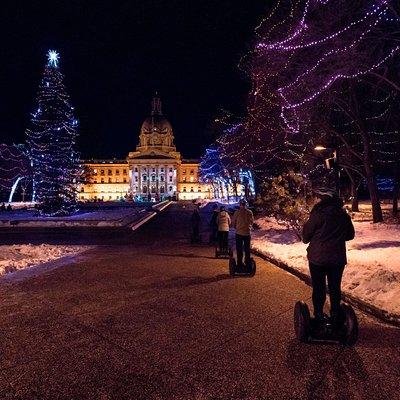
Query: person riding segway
223, 221
327, 230
242, 222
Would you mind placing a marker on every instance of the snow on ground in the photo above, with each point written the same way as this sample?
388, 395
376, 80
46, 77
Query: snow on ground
106, 216
373, 270
16, 257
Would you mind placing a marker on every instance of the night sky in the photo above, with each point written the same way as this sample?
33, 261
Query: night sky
115, 54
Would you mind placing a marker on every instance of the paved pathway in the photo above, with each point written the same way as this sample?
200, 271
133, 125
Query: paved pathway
148, 316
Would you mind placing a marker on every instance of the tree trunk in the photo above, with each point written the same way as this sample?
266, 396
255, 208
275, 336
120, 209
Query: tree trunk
374, 195
396, 184
371, 180
246, 191
354, 197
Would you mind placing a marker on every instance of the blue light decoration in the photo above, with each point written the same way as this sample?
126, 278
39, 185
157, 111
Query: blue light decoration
226, 182
53, 58
51, 140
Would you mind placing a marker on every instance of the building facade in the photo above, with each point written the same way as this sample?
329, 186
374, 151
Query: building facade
154, 171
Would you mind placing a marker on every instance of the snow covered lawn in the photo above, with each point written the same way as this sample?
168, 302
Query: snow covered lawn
373, 270
102, 217
16, 257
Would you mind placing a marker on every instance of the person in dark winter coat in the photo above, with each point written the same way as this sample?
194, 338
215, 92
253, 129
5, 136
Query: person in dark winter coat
327, 230
214, 223
195, 221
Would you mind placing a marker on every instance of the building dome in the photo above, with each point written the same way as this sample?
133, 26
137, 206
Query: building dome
157, 124
156, 131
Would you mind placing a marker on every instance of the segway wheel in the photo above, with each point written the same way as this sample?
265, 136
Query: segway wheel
350, 335
302, 321
252, 267
232, 266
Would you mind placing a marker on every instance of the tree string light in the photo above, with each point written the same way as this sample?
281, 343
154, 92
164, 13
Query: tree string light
51, 140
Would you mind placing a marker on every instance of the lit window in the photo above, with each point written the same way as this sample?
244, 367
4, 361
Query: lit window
154, 170
153, 178
170, 178
184, 189
102, 172
124, 171
162, 178
124, 180
184, 179
136, 179
117, 171
191, 179
162, 169
191, 189
144, 178
95, 171
170, 188
170, 170
191, 172
109, 172
136, 170
82, 189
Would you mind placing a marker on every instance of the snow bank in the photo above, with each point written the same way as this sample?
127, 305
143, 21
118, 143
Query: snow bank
112, 217
16, 257
373, 270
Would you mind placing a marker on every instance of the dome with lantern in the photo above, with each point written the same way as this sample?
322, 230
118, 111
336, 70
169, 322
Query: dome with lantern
156, 130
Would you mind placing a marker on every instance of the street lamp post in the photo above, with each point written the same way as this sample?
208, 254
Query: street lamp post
335, 164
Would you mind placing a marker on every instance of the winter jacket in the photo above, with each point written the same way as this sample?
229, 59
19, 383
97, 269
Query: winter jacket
242, 221
223, 221
327, 230
214, 217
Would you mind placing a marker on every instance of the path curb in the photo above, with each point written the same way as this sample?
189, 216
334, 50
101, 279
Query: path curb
157, 209
382, 315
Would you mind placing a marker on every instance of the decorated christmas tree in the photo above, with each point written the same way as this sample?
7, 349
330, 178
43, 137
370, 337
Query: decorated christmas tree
51, 140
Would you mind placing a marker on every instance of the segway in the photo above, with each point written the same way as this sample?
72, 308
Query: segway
342, 331
247, 270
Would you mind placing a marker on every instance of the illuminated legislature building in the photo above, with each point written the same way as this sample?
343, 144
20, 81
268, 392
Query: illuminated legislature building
155, 170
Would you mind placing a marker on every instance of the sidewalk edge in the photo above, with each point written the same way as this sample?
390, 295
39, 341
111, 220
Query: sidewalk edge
382, 315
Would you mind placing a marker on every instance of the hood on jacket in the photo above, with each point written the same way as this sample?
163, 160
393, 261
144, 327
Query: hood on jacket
329, 205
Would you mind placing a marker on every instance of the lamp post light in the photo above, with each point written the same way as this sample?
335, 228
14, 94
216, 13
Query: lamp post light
335, 165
